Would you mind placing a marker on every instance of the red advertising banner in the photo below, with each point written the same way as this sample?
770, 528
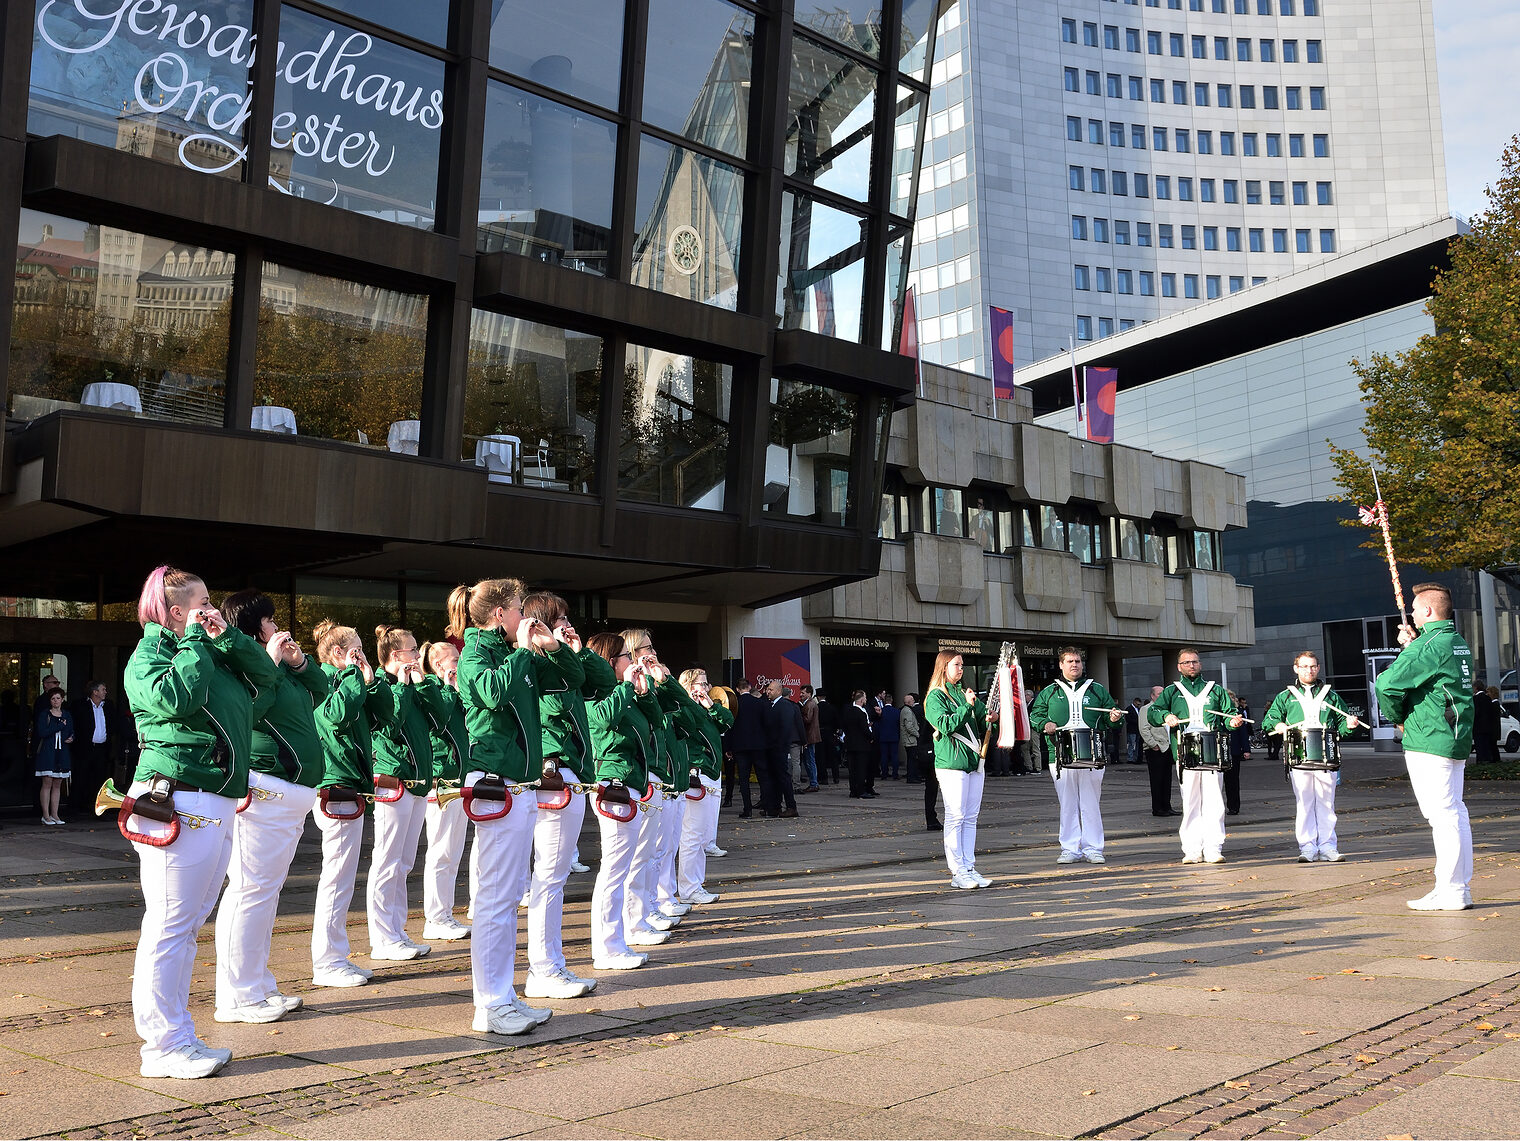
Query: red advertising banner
787, 660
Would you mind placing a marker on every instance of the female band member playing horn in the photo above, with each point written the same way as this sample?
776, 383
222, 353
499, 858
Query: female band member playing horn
446, 825
192, 682
345, 721
622, 720
403, 775
959, 722
282, 787
508, 659
644, 924
567, 756
699, 826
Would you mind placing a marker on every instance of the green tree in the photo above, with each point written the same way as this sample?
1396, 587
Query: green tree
1443, 419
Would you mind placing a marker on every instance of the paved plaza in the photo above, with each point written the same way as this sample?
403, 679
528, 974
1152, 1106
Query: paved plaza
840, 988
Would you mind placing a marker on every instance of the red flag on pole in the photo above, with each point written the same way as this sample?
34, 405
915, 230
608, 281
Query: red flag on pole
907, 342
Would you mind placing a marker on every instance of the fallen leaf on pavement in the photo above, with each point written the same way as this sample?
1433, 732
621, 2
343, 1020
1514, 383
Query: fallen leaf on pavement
1174, 1047
1036, 914
107, 1033
1088, 1092
1398, 1137
1212, 988
1189, 960
1484, 1026
1308, 1031
1427, 956
1365, 1059
1237, 1085
1351, 971
1316, 978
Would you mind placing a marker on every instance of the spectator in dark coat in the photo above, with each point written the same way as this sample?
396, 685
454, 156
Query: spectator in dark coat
747, 742
887, 736
829, 729
1240, 752
783, 729
96, 736
1486, 725
859, 746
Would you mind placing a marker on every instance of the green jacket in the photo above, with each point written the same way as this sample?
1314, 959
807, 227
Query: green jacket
954, 720
1172, 700
567, 732
450, 738
705, 752
1428, 689
345, 723
1287, 709
285, 740
623, 735
1053, 704
194, 700
499, 686
403, 742
675, 706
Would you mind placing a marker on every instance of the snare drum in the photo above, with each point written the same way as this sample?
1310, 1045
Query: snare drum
1079, 749
1311, 748
1203, 750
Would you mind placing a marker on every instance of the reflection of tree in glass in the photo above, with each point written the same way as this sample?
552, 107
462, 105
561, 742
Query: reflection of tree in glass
809, 412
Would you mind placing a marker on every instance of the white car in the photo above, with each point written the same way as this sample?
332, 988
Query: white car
1509, 732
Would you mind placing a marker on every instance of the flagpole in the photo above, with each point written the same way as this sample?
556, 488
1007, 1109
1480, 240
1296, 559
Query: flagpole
1076, 396
1393, 567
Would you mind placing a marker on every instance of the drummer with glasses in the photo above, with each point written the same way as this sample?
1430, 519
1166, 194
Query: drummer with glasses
1195, 709
1070, 711
1309, 716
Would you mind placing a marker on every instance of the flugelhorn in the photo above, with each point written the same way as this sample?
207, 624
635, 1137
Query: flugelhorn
256, 793
110, 797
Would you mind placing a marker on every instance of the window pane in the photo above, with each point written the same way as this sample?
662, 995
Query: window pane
906, 141
689, 218
895, 293
345, 358
810, 452
109, 319
942, 511
982, 522
823, 262
855, 23
674, 446
697, 71
830, 109
1052, 529
530, 402
364, 139
113, 81
574, 46
428, 22
546, 181
915, 35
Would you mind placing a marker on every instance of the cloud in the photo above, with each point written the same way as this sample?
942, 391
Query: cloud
1477, 53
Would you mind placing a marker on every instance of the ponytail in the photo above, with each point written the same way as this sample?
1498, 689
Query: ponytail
472, 605
331, 638
459, 612
388, 640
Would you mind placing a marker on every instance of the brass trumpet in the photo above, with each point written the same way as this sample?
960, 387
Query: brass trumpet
723, 696
110, 797
255, 793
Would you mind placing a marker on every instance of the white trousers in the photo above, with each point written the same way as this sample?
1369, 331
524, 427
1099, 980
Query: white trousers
1202, 828
619, 840
699, 824
554, 837
674, 817
341, 841
1314, 821
963, 801
503, 851
398, 828
264, 840
179, 886
447, 829
1437, 784
638, 896
1078, 792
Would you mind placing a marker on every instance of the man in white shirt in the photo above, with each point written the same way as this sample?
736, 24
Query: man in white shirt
94, 735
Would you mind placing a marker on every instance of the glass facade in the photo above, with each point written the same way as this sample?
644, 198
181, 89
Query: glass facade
810, 458
674, 446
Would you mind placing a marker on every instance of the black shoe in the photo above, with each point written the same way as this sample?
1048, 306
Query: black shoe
868, 796
789, 814
934, 826
746, 814
1233, 812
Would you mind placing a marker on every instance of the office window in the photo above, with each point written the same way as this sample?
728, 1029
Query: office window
1081, 277
1286, 7
1158, 138
1253, 192
1293, 98
1142, 233
1316, 98
1295, 146
1137, 136
1231, 190
1100, 229
1232, 239
1190, 286
1279, 241
1313, 51
1184, 141
1243, 49
1200, 47
1301, 241
1163, 186
1068, 31
1274, 145
1121, 232
1126, 324
1158, 91
1094, 83
1321, 146
1074, 128
1099, 181
1174, 41
1322, 193
1168, 285
1089, 35
1300, 194
1237, 284
1147, 283
1105, 279
1153, 43
1263, 7
1095, 132
1219, 6
1105, 327
1258, 240
1201, 94
1126, 281
1110, 38
1211, 286
1226, 142
1075, 177
1136, 88
1164, 235
1119, 182
1248, 144
1205, 142
1142, 185
1311, 7
1084, 328
1185, 189
1275, 193
1268, 51
1240, 7
1327, 241
1179, 91
1290, 51
1211, 237
1247, 96
1078, 228
1269, 98
1224, 95
1113, 86
1132, 39
1116, 134
1073, 79
1221, 47
1205, 190
1190, 237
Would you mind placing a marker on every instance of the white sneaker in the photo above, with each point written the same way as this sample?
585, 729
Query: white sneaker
714, 850
628, 962
981, 880
1440, 901
501, 1020
538, 1014
186, 1062
561, 985
396, 952
445, 931
1214, 858
269, 1010
1069, 858
220, 1053
1192, 857
662, 922
1306, 855
577, 866
1467, 897
1096, 858
422, 949
357, 969
702, 895
674, 908
338, 976
962, 882
291, 1002
647, 938
1331, 856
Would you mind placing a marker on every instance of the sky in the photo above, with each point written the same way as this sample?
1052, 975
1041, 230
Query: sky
1477, 54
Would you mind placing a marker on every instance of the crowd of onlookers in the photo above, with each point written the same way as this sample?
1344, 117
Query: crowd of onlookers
70, 746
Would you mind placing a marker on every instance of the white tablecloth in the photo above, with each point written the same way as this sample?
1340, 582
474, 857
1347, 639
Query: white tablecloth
273, 418
109, 394
499, 455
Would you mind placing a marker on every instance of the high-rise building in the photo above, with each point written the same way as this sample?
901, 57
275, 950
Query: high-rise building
1095, 164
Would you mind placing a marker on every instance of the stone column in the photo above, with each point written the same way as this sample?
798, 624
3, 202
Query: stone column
905, 677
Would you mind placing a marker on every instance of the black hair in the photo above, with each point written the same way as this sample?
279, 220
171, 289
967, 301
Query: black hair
247, 610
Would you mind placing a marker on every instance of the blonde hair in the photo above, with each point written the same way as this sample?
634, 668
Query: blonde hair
432, 650
332, 639
388, 640
689, 677
636, 636
938, 680
472, 605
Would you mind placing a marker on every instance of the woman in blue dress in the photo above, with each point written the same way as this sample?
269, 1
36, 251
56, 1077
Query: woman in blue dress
55, 733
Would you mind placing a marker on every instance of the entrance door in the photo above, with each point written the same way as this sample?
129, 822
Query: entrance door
21, 672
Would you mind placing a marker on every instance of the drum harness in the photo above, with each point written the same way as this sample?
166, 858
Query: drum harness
1075, 694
